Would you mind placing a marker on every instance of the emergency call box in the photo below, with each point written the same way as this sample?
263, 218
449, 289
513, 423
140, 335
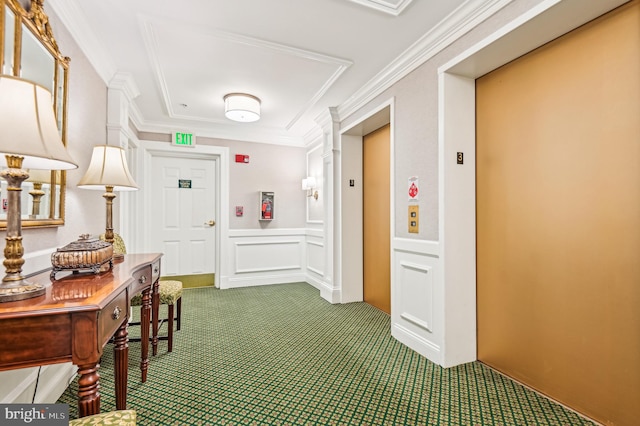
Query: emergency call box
266, 205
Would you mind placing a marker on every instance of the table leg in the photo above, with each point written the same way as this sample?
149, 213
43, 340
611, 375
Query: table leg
145, 313
156, 307
88, 390
120, 364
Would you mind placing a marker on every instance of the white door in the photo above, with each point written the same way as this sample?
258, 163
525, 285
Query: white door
183, 225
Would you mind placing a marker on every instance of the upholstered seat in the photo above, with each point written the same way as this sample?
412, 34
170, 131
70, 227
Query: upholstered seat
118, 244
170, 292
112, 418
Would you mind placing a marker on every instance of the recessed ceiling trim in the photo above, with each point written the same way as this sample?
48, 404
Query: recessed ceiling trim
394, 8
152, 50
150, 41
318, 95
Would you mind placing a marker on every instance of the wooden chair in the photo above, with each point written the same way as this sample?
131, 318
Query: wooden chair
170, 294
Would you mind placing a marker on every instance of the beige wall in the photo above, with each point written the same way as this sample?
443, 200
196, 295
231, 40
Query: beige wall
416, 125
274, 168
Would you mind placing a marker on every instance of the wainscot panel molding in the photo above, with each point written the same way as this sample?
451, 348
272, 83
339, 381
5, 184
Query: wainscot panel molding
265, 256
18, 386
417, 317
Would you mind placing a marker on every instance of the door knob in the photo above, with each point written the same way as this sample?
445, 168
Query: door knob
211, 223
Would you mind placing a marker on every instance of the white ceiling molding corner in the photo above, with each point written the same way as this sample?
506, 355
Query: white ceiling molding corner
394, 8
469, 15
125, 82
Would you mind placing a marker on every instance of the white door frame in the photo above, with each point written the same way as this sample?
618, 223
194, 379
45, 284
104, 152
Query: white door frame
216, 153
456, 122
351, 237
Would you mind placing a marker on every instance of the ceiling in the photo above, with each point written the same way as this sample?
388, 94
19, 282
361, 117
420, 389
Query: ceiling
300, 57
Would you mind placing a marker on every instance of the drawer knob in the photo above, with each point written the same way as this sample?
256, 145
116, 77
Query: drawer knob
116, 313
143, 279
155, 270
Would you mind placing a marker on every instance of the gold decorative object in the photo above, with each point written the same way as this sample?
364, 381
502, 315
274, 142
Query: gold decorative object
84, 254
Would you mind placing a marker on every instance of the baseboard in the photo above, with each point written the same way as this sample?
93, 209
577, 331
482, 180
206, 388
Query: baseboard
428, 349
239, 282
192, 281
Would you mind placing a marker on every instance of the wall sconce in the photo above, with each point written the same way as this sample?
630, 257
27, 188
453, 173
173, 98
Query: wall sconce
241, 107
309, 184
108, 169
29, 139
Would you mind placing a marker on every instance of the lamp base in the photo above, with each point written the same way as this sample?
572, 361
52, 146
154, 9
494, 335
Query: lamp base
10, 291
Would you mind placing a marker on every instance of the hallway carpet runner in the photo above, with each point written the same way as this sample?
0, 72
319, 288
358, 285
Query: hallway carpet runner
281, 355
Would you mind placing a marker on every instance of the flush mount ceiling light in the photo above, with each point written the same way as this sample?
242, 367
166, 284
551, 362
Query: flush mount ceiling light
241, 107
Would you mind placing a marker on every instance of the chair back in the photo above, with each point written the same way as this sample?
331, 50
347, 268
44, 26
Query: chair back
118, 243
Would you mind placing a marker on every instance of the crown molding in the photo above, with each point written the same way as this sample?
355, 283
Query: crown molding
82, 34
462, 20
394, 9
228, 132
124, 82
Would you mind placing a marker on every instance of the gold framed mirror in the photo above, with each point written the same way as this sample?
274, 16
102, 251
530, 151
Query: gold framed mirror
29, 50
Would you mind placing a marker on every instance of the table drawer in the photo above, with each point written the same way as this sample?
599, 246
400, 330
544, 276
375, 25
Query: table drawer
155, 271
112, 316
142, 279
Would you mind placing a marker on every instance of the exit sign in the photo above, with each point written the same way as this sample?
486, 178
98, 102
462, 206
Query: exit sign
183, 139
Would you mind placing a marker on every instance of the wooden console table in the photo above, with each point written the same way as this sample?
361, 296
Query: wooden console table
75, 319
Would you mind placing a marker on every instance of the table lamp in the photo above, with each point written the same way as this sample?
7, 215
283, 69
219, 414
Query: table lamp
29, 138
38, 178
108, 169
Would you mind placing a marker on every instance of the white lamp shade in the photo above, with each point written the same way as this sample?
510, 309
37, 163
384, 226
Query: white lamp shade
241, 107
309, 183
108, 167
28, 126
40, 176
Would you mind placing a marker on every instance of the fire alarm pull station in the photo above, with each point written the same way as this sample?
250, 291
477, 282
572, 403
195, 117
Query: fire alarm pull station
241, 158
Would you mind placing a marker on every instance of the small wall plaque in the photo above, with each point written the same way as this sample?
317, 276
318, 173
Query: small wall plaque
184, 183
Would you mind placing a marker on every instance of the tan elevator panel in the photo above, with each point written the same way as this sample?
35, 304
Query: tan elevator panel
376, 217
558, 218
414, 219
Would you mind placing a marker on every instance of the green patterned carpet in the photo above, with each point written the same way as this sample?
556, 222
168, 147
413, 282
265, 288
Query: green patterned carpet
281, 355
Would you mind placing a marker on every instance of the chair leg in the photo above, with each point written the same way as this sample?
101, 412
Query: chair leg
170, 327
179, 303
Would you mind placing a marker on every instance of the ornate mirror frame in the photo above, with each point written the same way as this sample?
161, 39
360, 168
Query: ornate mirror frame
29, 50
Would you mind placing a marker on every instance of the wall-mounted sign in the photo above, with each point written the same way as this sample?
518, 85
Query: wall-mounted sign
184, 183
414, 183
183, 139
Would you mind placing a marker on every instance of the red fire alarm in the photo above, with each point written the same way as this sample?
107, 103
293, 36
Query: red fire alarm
241, 158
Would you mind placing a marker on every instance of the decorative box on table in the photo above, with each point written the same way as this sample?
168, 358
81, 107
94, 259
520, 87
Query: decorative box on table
85, 254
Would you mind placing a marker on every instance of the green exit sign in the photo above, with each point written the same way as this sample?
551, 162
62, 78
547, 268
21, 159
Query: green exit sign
183, 139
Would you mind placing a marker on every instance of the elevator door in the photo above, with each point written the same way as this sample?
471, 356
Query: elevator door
376, 216
558, 218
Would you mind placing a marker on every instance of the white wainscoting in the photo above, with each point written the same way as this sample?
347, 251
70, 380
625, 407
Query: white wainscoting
416, 297
19, 386
265, 256
315, 260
